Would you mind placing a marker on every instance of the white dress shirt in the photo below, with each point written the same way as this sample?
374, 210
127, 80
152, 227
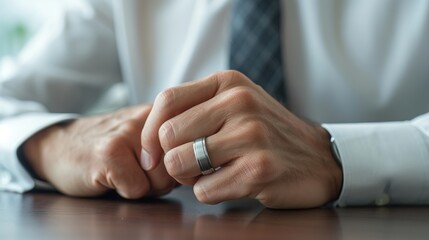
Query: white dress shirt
347, 62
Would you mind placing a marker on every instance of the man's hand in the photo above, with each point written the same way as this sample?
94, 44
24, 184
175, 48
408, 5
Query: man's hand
89, 156
264, 151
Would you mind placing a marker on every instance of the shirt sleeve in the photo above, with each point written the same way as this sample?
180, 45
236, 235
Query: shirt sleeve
64, 71
383, 163
13, 133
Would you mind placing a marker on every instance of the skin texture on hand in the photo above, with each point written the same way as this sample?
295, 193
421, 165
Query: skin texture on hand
91, 155
263, 150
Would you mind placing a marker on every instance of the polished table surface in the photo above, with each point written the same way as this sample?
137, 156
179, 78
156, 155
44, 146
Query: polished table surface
180, 216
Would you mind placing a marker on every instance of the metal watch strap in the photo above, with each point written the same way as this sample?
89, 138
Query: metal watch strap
334, 150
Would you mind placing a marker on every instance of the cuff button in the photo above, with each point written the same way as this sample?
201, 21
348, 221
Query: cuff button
382, 200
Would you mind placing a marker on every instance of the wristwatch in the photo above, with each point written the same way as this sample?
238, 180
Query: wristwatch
334, 150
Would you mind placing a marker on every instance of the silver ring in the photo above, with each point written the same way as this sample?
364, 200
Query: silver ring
202, 156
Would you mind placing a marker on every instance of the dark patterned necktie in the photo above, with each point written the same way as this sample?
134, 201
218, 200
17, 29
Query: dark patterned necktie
255, 47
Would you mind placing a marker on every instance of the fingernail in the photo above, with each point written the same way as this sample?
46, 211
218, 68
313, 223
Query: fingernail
145, 160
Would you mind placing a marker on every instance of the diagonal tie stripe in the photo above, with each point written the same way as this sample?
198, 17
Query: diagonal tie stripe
255, 47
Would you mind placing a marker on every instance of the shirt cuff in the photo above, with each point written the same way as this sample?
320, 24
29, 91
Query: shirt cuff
383, 163
14, 132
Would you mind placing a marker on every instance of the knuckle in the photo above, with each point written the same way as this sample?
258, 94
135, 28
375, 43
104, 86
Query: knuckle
167, 135
130, 127
109, 147
166, 98
242, 99
230, 78
244, 93
257, 131
103, 175
233, 77
97, 178
260, 169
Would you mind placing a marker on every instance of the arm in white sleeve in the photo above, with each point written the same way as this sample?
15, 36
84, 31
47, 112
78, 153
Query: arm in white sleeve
64, 71
384, 163
14, 131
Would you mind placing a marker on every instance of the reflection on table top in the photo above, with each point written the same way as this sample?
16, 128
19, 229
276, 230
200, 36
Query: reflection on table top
179, 216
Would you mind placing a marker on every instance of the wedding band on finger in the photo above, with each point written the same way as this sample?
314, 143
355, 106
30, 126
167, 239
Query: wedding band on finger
202, 156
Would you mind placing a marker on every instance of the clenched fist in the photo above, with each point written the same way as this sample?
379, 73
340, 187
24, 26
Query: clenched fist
90, 155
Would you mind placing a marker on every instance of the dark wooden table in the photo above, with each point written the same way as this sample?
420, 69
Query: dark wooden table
179, 216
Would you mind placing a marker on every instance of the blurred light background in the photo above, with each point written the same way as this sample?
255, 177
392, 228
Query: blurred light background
20, 20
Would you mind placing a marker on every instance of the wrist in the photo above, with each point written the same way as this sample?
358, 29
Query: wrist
36, 150
332, 162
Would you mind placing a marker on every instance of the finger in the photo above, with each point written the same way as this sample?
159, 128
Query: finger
167, 104
227, 184
244, 177
222, 147
199, 121
161, 182
173, 102
206, 118
158, 179
125, 175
